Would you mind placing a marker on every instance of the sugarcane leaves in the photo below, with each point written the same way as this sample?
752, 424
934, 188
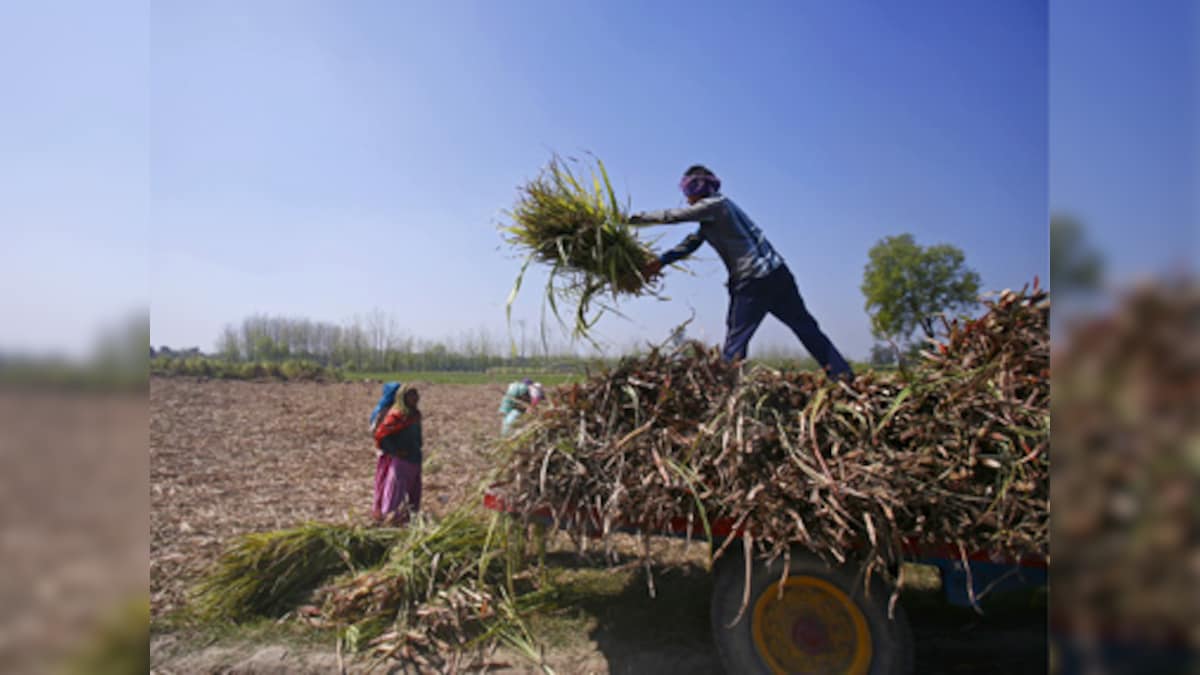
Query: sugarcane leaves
582, 234
613, 206
512, 297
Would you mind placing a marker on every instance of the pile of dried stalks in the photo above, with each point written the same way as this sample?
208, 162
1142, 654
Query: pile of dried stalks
446, 591
955, 451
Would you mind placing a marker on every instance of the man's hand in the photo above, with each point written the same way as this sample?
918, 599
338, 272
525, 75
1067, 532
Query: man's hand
652, 269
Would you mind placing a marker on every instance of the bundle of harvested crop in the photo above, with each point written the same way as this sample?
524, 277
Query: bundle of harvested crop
437, 592
445, 591
579, 229
268, 573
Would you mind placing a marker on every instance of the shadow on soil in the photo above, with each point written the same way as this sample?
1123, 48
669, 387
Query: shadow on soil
637, 633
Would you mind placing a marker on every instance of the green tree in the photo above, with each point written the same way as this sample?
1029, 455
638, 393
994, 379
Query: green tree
1074, 265
907, 285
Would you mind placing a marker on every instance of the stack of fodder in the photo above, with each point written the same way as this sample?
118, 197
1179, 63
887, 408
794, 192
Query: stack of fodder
1127, 468
445, 591
268, 573
439, 592
955, 451
580, 231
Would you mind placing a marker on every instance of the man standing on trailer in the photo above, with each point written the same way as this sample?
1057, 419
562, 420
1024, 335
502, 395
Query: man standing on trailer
759, 280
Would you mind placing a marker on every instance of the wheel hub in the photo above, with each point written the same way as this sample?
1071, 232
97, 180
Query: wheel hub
811, 635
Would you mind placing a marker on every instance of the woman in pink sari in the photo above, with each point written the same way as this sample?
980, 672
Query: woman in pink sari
398, 470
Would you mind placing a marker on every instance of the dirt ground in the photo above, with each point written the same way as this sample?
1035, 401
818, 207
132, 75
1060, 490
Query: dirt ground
228, 458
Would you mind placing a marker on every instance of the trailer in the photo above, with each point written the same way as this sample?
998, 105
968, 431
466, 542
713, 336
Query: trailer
823, 619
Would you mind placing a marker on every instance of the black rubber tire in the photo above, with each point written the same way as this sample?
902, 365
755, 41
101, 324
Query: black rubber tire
891, 640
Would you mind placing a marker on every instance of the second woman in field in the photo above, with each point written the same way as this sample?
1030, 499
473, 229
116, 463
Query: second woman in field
519, 398
398, 470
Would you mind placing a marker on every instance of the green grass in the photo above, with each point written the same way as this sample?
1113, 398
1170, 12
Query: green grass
466, 377
203, 366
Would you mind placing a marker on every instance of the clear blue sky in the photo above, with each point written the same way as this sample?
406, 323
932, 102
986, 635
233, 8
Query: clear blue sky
322, 159
1125, 130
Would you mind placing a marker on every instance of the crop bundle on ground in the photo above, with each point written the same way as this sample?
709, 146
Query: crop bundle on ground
442, 589
954, 451
1127, 468
579, 230
268, 573
440, 593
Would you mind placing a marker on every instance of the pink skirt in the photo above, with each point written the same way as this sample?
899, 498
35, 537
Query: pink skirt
397, 489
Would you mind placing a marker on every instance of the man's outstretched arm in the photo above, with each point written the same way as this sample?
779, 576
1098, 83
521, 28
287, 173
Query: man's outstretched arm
705, 209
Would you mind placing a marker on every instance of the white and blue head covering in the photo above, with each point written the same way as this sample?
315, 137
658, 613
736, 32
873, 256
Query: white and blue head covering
386, 400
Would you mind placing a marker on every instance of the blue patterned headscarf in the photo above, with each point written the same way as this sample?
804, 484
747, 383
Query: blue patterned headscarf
700, 185
385, 400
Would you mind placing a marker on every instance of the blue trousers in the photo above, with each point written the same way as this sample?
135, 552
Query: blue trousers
776, 294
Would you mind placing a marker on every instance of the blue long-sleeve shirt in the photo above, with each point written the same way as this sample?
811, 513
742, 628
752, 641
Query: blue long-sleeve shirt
742, 246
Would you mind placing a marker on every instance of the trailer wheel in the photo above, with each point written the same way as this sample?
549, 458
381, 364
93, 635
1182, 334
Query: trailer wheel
823, 623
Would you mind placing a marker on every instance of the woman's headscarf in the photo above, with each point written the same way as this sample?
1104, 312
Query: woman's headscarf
401, 405
386, 400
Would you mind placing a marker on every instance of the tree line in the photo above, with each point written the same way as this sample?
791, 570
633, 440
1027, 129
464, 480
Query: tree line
374, 343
